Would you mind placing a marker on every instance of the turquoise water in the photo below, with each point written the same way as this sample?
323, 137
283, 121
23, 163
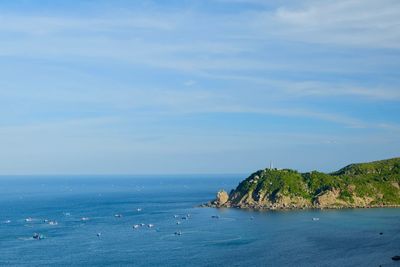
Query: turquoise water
236, 238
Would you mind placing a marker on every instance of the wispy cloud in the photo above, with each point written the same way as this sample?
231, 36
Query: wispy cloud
355, 23
50, 25
171, 76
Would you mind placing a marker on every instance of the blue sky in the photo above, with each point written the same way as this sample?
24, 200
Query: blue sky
214, 86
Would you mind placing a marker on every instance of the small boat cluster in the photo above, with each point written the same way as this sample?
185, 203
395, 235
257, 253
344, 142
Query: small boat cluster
178, 219
35, 221
178, 222
136, 226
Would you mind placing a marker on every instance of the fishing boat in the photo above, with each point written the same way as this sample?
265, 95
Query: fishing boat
37, 236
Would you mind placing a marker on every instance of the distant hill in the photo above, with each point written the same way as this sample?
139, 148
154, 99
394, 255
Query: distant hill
362, 185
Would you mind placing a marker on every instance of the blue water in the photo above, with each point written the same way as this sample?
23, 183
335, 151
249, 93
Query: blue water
236, 238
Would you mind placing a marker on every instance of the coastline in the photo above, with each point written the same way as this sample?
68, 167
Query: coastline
279, 208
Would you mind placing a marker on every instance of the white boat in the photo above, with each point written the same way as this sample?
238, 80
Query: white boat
98, 234
118, 215
136, 226
178, 222
178, 233
315, 219
142, 224
176, 216
139, 209
150, 225
53, 223
7, 221
29, 219
85, 219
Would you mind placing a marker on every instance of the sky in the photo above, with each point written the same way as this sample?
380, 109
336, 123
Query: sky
210, 86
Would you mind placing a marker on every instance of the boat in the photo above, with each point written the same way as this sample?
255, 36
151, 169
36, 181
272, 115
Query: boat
7, 221
29, 219
53, 223
118, 215
139, 209
178, 233
215, 217
176, 216
142, 224
396, 258
315, 219
136, 226
37, 236
178, 222
85, 219
98, 234
150, 225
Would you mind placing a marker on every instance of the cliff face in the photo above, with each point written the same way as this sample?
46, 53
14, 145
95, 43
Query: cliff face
357, 185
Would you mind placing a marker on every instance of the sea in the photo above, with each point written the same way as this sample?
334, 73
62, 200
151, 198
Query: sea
91, 220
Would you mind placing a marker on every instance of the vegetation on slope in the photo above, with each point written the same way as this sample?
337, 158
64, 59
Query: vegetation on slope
356, 185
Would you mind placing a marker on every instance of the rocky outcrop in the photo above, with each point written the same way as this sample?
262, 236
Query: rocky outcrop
329, 199
222, 198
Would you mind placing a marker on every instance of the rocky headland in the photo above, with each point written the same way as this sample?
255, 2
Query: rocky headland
363, 185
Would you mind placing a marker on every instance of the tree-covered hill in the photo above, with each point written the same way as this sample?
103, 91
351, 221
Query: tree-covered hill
370, 184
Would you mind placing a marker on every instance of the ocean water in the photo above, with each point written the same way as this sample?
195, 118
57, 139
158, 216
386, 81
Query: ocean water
235, 238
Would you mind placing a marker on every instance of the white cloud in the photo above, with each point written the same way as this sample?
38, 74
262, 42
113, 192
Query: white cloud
189, 83
360, 23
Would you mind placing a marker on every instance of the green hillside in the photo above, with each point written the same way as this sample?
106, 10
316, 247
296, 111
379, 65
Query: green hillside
357, 185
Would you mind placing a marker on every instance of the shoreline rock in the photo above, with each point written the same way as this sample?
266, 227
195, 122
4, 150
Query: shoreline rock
213, 204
